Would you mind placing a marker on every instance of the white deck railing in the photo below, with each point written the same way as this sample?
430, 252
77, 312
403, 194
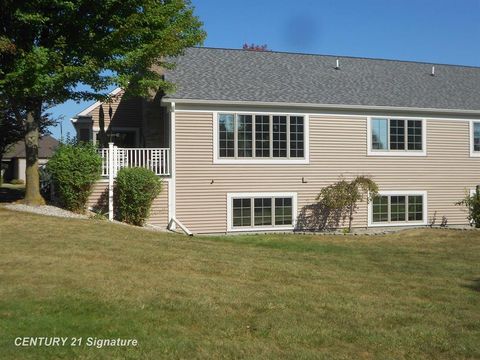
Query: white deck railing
155, 159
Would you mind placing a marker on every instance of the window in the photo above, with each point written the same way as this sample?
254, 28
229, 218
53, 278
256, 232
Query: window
242, 212
251, 211
260, 138
396, 137
226, 135
121, 137
475, 138
398, 207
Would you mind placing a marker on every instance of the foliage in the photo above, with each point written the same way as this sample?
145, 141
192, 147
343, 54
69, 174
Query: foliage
339, 200
255, 47
472, 202
74, 168
48, 48
136, 188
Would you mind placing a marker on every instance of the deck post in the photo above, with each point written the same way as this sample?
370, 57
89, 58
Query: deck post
111, 169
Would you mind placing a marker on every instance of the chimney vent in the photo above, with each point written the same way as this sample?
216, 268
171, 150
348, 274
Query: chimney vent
337, 64
433, 71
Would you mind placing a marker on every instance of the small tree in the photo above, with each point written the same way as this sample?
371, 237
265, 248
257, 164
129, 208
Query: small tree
74, 168
342, 197
472, 202
136, 188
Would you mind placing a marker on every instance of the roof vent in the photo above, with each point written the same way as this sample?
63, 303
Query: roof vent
433, 71
337, 64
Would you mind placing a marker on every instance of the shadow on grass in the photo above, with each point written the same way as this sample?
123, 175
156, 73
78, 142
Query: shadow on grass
474, 285
11, 193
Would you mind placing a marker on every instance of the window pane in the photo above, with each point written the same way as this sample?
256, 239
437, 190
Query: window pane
242, 212
379, 134
263, 211
414, 134
262, 136
244, 128
397, 208
476, 136
380, 209
226, 135
415, 208
296, 136
279, 136
397, 134
283, 211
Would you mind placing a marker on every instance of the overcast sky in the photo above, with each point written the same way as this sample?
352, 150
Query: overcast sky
441, 31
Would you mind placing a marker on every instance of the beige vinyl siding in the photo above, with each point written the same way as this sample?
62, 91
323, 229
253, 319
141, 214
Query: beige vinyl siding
338, 147
158, 213
125, 112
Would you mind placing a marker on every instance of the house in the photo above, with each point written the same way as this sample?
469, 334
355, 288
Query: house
14, 161
249, 138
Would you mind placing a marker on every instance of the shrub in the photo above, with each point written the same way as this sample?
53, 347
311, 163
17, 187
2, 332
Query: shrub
339, 200
74, 168
136, 188
17, 182
472, 202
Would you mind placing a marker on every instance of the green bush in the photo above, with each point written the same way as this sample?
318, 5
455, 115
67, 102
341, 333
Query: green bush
17, 182
74, 168
135, 190
472, 202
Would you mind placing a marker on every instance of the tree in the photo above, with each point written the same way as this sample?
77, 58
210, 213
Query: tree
255, 47
48, 48
342, 197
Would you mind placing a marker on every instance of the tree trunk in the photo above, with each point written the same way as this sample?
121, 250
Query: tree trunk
32, 183
350, 219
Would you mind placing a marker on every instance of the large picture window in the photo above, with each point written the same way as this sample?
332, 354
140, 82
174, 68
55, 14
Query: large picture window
396, 137
260, 137
257, 211
398, 208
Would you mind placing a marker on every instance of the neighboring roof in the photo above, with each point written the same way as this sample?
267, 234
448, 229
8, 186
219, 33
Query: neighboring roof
274, 77
46, 147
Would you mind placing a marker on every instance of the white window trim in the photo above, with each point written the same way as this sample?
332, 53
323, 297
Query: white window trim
306, 142
400, 223
371, 152
246, 195
472, 152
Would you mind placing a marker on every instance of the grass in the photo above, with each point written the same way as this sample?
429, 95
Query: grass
410, 295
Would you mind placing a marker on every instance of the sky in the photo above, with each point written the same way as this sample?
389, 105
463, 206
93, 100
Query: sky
437, 31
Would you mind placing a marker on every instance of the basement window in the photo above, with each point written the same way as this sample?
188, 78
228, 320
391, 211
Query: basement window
398, 208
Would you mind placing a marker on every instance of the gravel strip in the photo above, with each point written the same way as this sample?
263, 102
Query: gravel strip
45, 210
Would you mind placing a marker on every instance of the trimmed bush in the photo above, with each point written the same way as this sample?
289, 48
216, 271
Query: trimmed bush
136, 188
17, 182
74, 168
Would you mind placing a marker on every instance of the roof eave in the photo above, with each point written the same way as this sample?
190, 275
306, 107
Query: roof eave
323, 106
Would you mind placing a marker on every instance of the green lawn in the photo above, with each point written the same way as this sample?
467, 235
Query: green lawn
411, 295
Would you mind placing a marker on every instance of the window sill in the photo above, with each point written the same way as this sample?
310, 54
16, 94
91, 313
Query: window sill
474, 153
398, 224
397, 153
246, 161
259, 228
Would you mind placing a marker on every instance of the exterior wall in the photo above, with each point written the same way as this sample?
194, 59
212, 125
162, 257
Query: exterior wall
20, 164
125, 113
98, 200
338, 147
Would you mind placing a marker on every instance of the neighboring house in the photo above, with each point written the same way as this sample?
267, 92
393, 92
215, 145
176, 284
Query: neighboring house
249, 138
14, 161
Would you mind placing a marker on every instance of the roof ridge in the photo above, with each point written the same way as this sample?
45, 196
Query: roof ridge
338, 56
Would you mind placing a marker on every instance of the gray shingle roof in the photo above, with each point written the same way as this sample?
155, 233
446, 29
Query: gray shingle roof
239, 75
46, 147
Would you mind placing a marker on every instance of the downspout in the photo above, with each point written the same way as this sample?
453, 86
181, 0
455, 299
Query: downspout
172, 185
